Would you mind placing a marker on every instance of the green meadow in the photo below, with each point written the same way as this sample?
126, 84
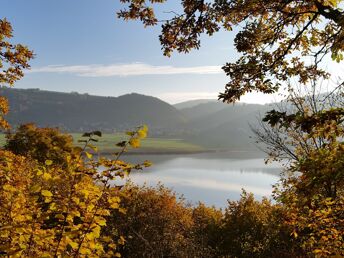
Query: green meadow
107, 144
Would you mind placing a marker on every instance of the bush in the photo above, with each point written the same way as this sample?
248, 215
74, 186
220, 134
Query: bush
256, 229
207, 229
41, 144
156, 224
49, 210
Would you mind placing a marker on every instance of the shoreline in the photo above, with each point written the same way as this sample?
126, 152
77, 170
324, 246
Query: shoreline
247, 153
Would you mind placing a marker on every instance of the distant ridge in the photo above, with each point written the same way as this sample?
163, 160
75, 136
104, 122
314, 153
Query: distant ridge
83, 112
209, 123
192, 103
224, 126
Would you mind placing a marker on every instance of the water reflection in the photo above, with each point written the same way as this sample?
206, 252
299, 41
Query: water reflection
209, 177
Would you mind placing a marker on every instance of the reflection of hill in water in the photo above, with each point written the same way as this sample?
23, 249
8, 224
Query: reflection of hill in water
221, 162
270, 171
209, 177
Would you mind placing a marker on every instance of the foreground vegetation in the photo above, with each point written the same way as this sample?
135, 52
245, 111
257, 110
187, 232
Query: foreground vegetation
75, 217
55, 203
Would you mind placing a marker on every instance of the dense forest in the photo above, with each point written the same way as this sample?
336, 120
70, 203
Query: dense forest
59, 200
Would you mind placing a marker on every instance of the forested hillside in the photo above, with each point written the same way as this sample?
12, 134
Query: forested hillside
208, 123
75, 112
222, 126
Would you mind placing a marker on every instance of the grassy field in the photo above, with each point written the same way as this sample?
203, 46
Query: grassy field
107, 144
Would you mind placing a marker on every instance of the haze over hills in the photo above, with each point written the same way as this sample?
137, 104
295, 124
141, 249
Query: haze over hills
224, 126
193, 103
208, 123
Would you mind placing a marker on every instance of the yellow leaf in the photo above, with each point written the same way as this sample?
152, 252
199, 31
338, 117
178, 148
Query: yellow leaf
100, 221
46, 193
59, 216
48, 162
76, 200
121, 240
316, 251
9, 188
89, 155
73, 245
36, 189
142, 133
147, 163
114, 205
85, 251
135, 143
46, 176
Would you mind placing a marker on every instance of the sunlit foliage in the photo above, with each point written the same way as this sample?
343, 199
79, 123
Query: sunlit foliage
309, 138
156, 223
206, 230
313, 190
13, 59
41, 144
272, 39
278, 42
256, 229
49, 210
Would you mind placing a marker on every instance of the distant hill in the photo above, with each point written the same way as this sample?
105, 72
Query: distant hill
82, 112
202, 110
192, 103
224, 126
209, 123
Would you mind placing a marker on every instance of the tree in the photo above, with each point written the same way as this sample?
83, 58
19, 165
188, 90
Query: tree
14, 59
41, 144
275, 38
280, 41
307, 131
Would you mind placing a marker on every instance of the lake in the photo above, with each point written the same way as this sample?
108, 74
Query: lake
209, 177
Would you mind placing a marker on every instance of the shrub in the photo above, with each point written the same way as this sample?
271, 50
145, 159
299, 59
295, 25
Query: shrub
256, 229
156, 224
49, 210
207, 229
41, 144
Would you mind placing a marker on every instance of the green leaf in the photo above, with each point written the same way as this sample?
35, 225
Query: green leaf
130, 133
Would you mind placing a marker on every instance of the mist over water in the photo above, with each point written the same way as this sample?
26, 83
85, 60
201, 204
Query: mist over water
212, 178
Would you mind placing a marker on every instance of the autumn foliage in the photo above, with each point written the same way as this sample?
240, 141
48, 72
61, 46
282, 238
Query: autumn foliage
59, 201
58, 207
271, 37
279, 43
14, 58
41, 144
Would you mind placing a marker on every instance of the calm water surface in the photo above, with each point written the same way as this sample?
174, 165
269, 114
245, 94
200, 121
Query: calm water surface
209, 177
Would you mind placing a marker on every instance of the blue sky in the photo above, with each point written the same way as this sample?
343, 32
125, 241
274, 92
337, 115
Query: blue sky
81, 46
